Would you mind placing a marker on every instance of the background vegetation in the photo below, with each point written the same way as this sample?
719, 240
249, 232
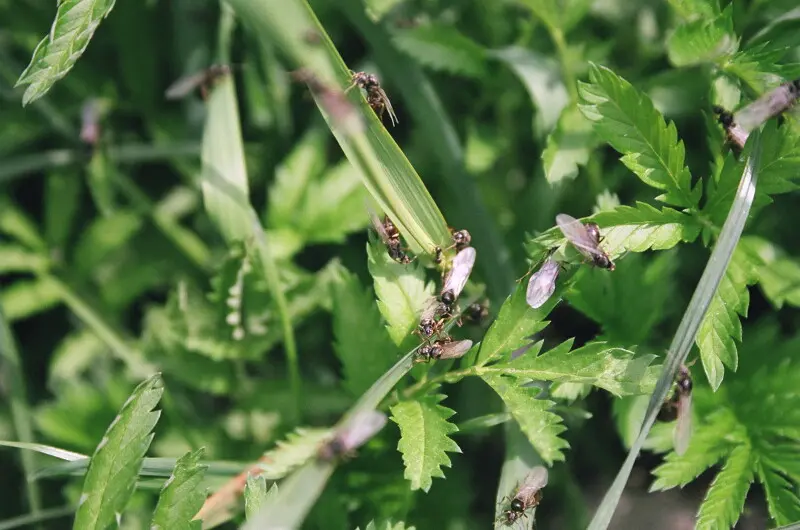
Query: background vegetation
197, 287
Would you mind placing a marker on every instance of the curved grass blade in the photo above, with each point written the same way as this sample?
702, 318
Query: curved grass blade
56, 54
386, 172
690, 323
63, 454
111, 477
31, 519
440, 134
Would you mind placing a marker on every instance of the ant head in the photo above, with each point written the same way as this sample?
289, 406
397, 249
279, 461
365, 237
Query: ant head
448, 298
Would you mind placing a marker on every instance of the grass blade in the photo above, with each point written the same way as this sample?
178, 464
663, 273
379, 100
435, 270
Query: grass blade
386, 172
431, 118
111, 477
687, 329
63, 454
18, 402
225, 193
31, 519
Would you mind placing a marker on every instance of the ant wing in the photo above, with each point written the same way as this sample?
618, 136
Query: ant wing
542, 284
534, 481
457, 276
377, 224
430, 309
361, 428
454, 350
770, 104
183, 86
389, 108
577, 234
683, 428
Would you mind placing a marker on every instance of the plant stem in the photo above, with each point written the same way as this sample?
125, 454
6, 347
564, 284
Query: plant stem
127, 154
563, 57
20, 413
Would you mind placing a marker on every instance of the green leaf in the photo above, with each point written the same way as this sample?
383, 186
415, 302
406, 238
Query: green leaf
703, 40
725, 498
333, 207
402, 291
442, 47
111, 477
783, 502
181, 497
721, 327
541, 427
256, 494
627, 228
780, 168
424, 439
76, 353
104, 236
362, 342
517, 322
292, 177
25, 298
613, 369
568, 146
759, 67
708, 445
616, 303
18, 224
626, 119
287, 455
73, 28
16, 258
541, 76
780, 282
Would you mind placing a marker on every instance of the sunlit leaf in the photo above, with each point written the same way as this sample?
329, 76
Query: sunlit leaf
181, 497
111, 477
424, 438
73, 28
626, 119
442, 48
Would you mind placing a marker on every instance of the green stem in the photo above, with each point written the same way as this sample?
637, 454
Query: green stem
20, 413
185, 241
33, 518
127, 154
563, 57
133, 360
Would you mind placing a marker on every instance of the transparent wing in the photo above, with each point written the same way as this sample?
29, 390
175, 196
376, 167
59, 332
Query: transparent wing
361, 428
534, 481
457, 276
454, 350
683, 428
389, 108
577, 235
767, 106
377, 224
542, 284
430, 309
184, 85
